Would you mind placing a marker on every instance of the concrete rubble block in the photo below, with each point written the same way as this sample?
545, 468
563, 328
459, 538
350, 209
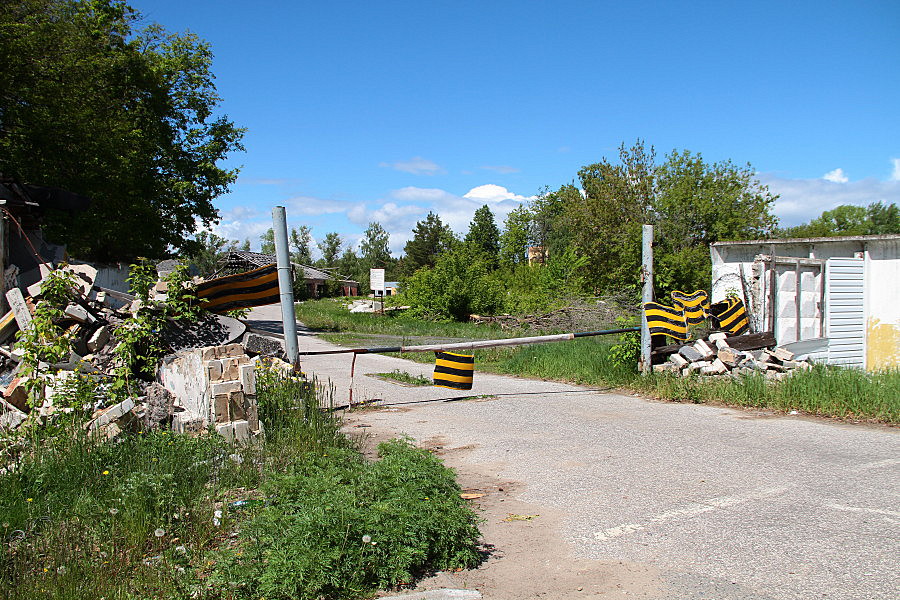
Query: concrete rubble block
721, 344
208, 353
19, 307
241, 431
231, 369
700, 364
234, 350
252, 414
85, 276
718, 367
99, 339
728, 356
159, 406
248, 379
10, 416
718, 336
162, 286
665, 367
804, 365
225, 387
113, 413
236, 405
678, 360
759, 365
264, 345
221, 404
101, 298
16, 394
781, 354
79, 313
761, 356
704, 349
690, 354
790, 364
214, 370
226, 430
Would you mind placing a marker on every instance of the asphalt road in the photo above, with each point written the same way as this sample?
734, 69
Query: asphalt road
721, 503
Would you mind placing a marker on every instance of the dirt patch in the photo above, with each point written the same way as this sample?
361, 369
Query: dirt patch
525, 557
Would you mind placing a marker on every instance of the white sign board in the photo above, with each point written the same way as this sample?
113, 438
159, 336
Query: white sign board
376, 277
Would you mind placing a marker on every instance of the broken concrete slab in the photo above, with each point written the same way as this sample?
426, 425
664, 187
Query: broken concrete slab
209, 331
703, 348
10, 416
98, 339
264, 345
678, 360
160, 406
113, 413
19, 307
79, 313
691, 354
16, 394
248, 379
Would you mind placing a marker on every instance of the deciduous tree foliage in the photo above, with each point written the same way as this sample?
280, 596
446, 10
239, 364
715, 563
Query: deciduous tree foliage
691, 202
299, 240
91, 104
847, 219
330, 248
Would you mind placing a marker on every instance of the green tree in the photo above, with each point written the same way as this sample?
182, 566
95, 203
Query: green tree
691, 202
847, 219
549, 228
483, 234
299, 241
90, 104
330, 248
430, 238
207, 252
267, 242
516, 237
374, 248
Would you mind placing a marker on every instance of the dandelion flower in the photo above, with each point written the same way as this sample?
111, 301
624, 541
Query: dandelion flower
29, 499
106, 472
367, 539
159, 532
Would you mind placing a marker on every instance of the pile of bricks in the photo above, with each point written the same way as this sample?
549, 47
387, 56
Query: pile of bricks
714, 357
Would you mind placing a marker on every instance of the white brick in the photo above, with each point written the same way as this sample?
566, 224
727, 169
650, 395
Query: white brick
225, 388
248, 379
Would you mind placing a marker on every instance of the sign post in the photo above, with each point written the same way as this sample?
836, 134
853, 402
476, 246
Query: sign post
376, 279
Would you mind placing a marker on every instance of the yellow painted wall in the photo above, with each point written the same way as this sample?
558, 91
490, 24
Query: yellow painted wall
882, 345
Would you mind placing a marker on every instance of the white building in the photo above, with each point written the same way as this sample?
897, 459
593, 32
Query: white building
834, 299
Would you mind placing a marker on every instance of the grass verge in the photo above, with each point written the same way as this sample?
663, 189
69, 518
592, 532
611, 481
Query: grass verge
824, 391
301, 515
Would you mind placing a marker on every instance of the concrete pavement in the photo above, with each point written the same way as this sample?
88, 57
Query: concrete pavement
716, 502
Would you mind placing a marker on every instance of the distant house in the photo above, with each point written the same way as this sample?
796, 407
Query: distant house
537, 254
391, 288
238, 261
833, 299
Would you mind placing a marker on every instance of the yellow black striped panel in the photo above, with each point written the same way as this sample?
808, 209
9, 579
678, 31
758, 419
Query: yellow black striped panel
665, 320
453, 370
730, 315
242, 290
695, 305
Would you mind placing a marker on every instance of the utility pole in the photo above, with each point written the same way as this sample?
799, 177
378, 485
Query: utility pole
285, 283
647, 293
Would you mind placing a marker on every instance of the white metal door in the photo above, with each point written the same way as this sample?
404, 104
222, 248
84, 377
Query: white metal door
846, 311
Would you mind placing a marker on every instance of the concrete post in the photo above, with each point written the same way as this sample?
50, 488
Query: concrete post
285, 285
647, 293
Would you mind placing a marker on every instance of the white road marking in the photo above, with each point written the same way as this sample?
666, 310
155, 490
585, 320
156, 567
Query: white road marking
888, 462
690, 510
874, 511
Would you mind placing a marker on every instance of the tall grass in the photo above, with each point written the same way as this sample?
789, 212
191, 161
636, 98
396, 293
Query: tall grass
824, 390
157, 515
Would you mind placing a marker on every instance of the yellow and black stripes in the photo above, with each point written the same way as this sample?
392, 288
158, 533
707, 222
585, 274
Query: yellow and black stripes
454, 371
695, 305
665, 320
730, 315
243, 290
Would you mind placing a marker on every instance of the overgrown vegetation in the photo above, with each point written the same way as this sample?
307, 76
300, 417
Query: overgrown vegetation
611, 362
301, 515
405, 378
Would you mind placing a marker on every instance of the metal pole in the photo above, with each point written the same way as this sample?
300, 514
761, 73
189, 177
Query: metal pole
647, 295
285, 285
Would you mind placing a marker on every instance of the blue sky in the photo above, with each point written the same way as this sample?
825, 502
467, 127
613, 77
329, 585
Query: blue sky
363, 111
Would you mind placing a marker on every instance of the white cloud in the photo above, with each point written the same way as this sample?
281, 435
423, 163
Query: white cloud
804, 199
836, 176
895, 174
502, 169
308, 205
416, 165
493, 193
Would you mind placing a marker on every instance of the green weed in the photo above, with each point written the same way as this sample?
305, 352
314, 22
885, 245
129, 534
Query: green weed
407, 378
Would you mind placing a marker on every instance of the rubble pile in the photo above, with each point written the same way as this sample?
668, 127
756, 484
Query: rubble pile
714, 356
212, 385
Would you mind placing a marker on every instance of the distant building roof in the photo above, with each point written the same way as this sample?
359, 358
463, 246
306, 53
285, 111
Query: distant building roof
815, 240
240, 260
